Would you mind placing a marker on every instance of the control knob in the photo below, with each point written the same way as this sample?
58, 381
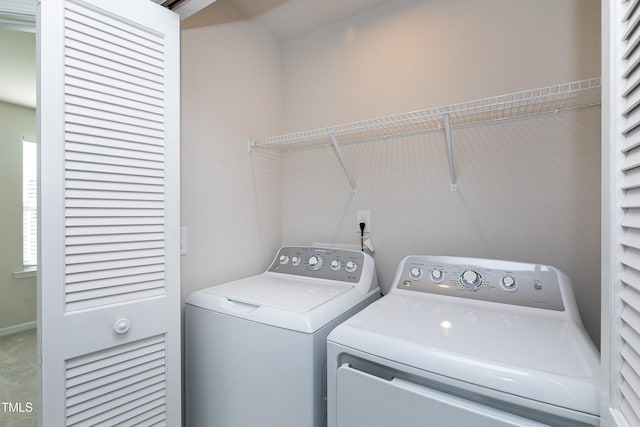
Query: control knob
415, 273
508, 282
295, 261
437, 275
315, 262
335, 265
470, 279
351, 266
284, 259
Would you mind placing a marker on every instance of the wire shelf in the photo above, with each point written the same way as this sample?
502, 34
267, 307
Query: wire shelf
565, 96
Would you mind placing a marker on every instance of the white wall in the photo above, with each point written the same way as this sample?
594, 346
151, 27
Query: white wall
18, 301
412, 54
231, 90
529, 189
18, 68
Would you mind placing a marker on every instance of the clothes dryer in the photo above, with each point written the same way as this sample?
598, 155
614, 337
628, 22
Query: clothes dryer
463, 342
255, 348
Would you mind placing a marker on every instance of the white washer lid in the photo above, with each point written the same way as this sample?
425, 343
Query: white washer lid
281, 292
516, 350
297, 303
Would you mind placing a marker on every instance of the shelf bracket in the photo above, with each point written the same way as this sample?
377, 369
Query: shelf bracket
447, 134
250, 145
354, 189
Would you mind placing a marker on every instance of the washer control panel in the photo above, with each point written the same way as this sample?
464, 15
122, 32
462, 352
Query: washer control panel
333, 264
530, 285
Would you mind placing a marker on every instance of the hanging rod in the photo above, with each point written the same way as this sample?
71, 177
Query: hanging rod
549, 99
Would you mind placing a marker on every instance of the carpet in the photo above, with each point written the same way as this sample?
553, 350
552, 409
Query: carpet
18, 380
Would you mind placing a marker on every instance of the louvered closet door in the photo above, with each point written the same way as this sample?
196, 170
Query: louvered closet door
109, 296
624, 352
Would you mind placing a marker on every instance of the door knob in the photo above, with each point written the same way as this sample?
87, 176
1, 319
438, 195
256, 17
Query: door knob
122, 326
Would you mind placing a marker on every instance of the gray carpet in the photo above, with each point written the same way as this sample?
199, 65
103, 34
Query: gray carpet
18, 379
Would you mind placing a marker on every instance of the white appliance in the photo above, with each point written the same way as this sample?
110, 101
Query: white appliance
461, 342
255, 349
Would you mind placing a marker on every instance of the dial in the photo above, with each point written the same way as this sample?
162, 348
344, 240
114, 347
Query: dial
470, 279
437, 275
415, 273
335, 265
315, 262
295, 261
351, 266
508, 282
283, 259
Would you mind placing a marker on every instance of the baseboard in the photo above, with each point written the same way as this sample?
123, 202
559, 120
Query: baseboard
17, 328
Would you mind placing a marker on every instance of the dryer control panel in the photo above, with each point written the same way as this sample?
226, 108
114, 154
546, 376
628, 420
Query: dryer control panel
530, 285
323, 263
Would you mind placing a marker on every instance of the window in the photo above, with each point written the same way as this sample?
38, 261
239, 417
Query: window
29, 204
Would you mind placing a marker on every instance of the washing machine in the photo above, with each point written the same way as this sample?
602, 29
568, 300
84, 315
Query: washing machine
255, 348
461, 342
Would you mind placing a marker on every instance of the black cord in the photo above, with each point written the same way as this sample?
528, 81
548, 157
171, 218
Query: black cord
362, 236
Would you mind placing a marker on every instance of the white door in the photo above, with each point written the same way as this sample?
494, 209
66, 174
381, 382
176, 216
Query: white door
621, 213
108, 277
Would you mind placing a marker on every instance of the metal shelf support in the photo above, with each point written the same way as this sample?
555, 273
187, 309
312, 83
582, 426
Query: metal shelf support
336, 146
447, 135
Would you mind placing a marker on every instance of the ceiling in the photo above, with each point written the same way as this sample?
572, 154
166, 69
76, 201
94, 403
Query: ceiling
18, 68
287, 19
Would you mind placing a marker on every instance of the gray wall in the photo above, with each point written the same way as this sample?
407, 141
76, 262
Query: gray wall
18, 302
